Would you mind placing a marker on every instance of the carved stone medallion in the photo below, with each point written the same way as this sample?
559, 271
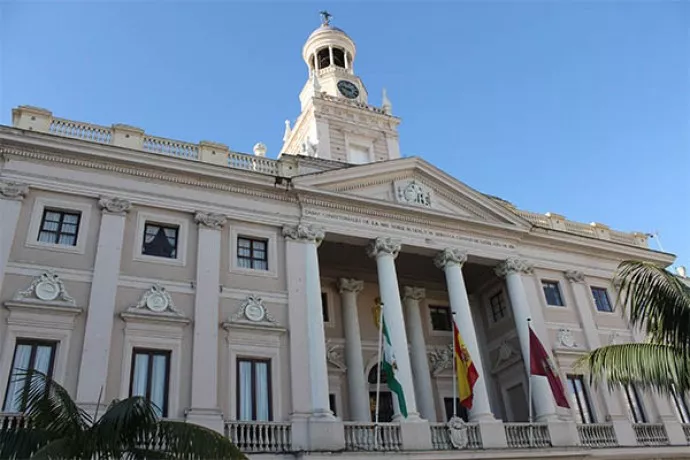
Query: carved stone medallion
47, 287
253, 310
157, 299
412, 192
565, 338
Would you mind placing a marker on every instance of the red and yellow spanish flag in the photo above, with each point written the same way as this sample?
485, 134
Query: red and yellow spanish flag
466, 372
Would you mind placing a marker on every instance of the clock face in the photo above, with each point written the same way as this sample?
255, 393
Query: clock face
348, 89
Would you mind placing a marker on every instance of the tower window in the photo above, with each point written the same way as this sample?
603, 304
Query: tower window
323, 57
338, 57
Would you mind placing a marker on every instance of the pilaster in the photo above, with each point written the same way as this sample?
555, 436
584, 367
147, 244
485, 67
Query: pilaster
204, 409
93, 370
11, 197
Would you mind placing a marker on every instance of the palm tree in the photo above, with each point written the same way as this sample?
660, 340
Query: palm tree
129, 429
658, 303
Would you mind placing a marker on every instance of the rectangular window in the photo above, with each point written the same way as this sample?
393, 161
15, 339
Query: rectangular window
601, 299
634, 404
254, 389
324, 306
160, 240
498, 307
461, 411
252, 253
579, 399
441, 319
680, 403
552, 292
59, 227
38, 355
150, 377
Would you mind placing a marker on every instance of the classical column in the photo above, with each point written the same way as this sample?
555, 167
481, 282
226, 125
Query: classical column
302, 242
418, 357
204, 409
93, 370
512, 269
330, 55
385, 250
11, 196
451, 261
356, 380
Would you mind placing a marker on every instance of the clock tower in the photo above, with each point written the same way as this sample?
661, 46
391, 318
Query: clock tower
337, 122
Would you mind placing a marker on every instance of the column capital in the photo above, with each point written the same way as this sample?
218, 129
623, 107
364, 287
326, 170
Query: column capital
13, 190
384, 245
304, 232
350, 285
513, 265
574, 276
413, 293
210, 220
113, 205
450, 256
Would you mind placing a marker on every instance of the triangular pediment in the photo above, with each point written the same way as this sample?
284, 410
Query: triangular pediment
414, 184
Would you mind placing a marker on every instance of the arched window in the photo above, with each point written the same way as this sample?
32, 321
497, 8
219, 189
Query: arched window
338, 57
372, 376
323, 57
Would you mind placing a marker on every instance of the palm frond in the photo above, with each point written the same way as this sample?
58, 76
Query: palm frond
647, 365
126, 424
182, 440
20, 440
59, 449
657, 302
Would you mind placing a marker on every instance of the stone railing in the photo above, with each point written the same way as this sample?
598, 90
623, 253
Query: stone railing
12, 422
79, 130
369, 436
252, 163
440, 437
525, 435
597, 435
686, 430
260, 437
650, 434
171, 147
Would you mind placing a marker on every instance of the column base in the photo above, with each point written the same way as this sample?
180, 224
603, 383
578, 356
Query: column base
208, 418
326, 434
415, 434
563, 434
412, 417
493, 434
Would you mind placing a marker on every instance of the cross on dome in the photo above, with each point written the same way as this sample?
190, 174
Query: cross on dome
325, 17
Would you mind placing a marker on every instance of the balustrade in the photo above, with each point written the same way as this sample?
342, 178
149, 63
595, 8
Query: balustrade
369, 436
597, 435
650, 434
171, 147
522, 435
440, 436
252, 163
79, 130
260, 437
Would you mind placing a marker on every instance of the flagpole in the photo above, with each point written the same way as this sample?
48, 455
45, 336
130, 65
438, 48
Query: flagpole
455, 373
529, 379
378, 376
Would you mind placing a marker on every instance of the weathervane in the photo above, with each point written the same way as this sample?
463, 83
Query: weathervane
325, 17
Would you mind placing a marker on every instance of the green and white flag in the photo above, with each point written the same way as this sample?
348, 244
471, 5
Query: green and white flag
390, 367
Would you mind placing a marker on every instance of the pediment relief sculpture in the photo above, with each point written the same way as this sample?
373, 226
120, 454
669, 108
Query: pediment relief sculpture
155, 301
441, 358
252, 313
46, 288
334, 355
507, 355
565, 339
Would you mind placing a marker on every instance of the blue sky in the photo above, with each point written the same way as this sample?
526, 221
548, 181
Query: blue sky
574, 107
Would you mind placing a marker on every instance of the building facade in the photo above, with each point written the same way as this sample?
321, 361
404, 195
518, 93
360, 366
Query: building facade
238, 291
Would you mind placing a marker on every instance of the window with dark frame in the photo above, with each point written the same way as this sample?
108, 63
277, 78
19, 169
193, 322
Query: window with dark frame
252, 253
634, 404
324, 306
498, 307
459, 409
254, 399
150, 377
29, 354
580, 399
552, 292
601, 299
160, 240
59, 227
441, 318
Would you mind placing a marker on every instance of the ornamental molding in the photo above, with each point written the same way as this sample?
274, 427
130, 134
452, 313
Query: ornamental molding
334, 355
156, 301
513, 265
304, 232
413, 293
350, 285
507, 355
210, 220
565, 339
46, 288
413, 193
458, 433
574, 276
441, 358
13, 190
117, 206
253, 312
384, 246
450, 256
